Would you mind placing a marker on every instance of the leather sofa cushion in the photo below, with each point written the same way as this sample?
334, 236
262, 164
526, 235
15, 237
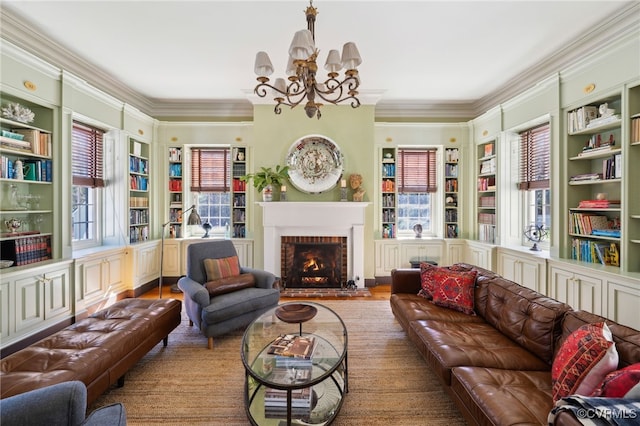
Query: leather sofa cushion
410, 307
90, 349
229, 284
505, 397
451, 344
525, 316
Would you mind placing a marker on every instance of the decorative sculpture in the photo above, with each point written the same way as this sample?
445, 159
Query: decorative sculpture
355, 180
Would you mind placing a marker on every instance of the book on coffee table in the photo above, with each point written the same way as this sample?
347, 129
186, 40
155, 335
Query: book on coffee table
293, 346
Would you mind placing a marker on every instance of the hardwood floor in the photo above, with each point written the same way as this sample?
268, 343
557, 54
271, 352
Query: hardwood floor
379, 292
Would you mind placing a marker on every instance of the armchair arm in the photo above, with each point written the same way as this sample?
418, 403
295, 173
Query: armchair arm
194, 291
264, 279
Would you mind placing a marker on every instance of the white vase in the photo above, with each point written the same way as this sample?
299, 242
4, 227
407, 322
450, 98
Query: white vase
267, 193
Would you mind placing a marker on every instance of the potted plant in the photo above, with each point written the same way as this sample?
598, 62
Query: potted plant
265, 179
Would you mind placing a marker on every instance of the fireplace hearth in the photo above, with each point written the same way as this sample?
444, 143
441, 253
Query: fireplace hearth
314, 262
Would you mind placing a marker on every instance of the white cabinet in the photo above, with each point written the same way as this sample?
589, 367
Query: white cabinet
145, 261
453, 252
98, 276
623, 301
528, 270
172, 260
422, 249
244, 248
6, 309
34, 300
387, 256
572, 286
479, 254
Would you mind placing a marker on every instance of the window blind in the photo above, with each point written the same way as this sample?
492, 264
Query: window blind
534, 170
210, 169
86, 155
417, 170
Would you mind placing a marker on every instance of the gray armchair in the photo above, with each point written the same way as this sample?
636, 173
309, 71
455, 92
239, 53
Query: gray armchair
220, 314
62, 404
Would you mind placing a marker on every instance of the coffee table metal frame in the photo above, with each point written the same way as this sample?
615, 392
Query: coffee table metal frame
329, 372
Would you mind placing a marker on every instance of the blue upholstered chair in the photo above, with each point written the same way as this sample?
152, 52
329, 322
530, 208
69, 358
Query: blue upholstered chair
219, 314
62, 404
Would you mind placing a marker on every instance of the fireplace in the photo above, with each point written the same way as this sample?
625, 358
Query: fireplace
313, 262
316, 220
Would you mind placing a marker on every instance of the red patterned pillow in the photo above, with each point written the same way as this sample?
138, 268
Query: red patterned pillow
583, 361
426, 277
618, 383
454, 289
221, 268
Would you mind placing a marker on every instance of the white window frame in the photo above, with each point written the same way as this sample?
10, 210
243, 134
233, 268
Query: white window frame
437, 198
515, 212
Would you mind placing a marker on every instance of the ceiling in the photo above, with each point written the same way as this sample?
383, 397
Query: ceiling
414, 52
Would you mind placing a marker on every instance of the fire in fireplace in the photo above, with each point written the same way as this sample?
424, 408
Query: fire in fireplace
315, 264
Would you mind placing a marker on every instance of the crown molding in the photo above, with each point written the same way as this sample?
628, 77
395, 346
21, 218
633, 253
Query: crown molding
619, 25
16, 31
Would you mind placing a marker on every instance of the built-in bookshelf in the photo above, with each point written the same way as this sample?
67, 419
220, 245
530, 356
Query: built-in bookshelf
632, 200
239, 193
139, 216
451, 195
388, 193
595, 171
486, 190
26, 177
175, 192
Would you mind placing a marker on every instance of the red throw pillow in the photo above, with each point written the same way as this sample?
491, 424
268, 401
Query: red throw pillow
221, 268
583, 361
426, 277
618, 383
454, 290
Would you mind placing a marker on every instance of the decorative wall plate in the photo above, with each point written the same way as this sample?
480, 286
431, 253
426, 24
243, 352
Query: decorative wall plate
315, 164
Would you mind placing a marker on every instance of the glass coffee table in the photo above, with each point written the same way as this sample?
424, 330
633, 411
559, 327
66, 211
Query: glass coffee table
295, 361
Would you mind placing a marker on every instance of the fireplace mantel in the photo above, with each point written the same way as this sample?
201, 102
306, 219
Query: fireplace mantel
286, 218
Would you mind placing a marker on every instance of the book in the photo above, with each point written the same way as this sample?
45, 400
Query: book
293, 346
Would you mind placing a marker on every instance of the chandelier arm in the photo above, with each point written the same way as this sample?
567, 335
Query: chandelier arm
261, 91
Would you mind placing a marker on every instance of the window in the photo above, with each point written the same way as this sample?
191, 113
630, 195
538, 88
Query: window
416, 182
534, 175
210, 182
87, 173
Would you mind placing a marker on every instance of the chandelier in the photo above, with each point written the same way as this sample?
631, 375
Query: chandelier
302, 68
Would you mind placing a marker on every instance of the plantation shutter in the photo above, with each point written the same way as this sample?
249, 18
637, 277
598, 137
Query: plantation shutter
86, 155
417, 170
210, 169
535, 158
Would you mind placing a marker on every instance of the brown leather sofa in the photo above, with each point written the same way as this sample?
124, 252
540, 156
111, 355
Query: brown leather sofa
496, 365
97, 350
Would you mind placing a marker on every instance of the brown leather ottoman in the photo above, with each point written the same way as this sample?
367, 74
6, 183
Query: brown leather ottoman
97, 350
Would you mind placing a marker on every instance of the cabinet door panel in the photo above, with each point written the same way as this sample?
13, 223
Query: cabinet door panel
509, 267
57, 294
29, 302
530, 276
92, 279
561, 285
114, 272
6, 310
623, 304
588, 294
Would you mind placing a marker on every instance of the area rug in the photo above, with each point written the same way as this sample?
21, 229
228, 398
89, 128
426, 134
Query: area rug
185, 383
324, 292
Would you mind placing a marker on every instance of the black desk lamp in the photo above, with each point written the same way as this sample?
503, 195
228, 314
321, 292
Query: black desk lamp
194, 219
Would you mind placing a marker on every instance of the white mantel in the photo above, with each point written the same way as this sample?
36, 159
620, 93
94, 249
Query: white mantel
330, 219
